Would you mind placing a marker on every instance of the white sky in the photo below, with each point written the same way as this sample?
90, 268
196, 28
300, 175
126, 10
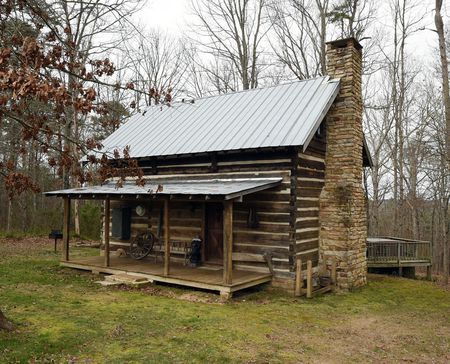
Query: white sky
175, 15
169, 15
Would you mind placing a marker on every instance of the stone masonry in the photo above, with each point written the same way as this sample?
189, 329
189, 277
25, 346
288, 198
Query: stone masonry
342, 216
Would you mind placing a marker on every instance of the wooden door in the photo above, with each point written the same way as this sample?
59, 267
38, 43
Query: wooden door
214, 233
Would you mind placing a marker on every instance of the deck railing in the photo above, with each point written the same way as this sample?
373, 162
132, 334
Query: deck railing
396, 250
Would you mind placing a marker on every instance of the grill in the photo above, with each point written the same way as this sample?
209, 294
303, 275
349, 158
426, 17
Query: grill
55, 234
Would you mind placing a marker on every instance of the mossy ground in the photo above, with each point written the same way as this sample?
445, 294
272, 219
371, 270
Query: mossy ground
63, 316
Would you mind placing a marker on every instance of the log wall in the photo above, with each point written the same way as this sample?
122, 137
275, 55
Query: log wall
310, 181
288, 214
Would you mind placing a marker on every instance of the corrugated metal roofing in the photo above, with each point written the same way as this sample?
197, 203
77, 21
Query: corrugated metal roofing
226, 188
283, 115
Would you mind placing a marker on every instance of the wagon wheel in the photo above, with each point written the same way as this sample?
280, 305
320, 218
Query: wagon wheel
142, 245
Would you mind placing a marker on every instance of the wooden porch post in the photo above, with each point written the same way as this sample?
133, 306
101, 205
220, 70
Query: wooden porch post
66, 229
228, 242
203, 230
106, 231
166, 238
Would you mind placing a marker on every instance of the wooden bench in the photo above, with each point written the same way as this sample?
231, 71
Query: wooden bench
179, 247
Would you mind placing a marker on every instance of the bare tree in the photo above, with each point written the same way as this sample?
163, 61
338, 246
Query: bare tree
446, 100
156, 61
196, 83
404, 25
301, 30
232, 31
438, 176
302, 27
377, 127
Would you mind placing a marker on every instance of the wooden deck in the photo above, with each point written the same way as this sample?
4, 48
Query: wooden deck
388, 252
208, 277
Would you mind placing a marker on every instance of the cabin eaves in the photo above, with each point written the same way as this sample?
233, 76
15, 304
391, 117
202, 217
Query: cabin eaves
219, 187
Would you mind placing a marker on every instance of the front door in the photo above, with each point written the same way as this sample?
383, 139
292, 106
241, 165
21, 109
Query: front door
214, 233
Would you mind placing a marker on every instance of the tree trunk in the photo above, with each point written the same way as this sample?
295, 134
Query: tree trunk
5, 324
8, 216
446, 99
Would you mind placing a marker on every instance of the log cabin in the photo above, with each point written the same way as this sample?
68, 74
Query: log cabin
264, 178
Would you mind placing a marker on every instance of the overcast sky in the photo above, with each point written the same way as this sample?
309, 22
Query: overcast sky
175, 15
170, 15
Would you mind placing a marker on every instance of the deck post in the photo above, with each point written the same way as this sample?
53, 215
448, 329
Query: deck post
228, 242
298, 278
106, 231
66, 229
429, 273
166, 238
309, 282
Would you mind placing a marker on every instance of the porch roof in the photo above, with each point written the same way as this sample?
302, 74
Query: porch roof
222, 188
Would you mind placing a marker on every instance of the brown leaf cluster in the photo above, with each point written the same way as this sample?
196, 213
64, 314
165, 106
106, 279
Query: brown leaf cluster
35, 94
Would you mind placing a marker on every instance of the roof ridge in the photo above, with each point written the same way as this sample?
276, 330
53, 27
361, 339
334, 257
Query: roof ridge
328, 78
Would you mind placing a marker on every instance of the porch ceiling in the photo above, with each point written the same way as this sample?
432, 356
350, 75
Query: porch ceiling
193, 188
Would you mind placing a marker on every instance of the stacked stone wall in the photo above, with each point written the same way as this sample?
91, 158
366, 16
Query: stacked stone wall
342, 215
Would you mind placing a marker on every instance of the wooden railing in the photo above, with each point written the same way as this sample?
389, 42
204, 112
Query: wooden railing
392, 250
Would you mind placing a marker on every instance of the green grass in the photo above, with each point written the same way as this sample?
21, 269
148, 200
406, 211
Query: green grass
43, 233
63, 316
17, 234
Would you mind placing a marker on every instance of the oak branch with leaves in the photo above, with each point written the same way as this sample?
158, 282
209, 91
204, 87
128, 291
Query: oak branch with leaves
44, 80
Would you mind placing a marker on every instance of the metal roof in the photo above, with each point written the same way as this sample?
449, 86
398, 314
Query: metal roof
283, 115
224, 188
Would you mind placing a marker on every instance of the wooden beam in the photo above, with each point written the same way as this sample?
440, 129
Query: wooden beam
322, 290
309, 279
429, 273
203, 230
298, 278
106, 231
66, 230
166, 238
228, 242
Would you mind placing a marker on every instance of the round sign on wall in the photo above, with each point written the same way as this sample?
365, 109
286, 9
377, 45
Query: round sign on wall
140, 210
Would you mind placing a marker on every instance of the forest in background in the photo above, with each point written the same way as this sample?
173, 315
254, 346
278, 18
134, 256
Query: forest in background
231, 45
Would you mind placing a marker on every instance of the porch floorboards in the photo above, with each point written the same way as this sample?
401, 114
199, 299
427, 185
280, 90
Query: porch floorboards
210, 278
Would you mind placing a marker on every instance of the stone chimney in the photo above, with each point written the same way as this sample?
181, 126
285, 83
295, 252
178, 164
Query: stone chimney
343, 229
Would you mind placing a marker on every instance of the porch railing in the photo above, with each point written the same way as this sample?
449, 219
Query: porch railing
390, 250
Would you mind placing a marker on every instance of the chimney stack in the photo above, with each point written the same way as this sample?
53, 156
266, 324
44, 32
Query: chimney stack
343, 230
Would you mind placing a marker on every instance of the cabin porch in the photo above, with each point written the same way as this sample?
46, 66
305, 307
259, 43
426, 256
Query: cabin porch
206, 206
203, 277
